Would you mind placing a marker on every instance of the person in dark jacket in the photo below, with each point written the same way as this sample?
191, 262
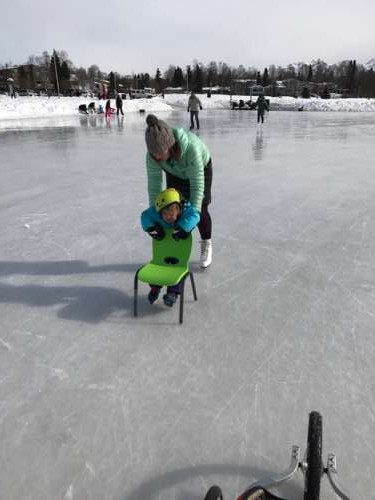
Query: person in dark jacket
262, 106
119, 105
194, 105
82, 108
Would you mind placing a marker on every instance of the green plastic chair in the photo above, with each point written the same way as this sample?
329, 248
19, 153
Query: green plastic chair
169, 266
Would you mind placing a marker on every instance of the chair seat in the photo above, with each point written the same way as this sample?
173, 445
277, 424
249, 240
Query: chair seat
161, 274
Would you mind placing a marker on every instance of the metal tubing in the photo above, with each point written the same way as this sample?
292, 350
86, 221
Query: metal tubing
332, 476
271, 481
135, 301
182, 301
193, 286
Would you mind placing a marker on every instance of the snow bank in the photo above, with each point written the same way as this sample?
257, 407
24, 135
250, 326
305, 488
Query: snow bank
316, 104
43, 107
217, 101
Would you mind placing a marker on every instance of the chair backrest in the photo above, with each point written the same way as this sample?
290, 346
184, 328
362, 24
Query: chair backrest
169, 252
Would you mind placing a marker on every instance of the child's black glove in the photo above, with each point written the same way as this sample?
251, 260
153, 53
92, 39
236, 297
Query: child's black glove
179, 234
201, 107
156, 232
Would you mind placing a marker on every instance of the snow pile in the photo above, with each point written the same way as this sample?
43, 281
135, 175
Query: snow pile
38, 107
218, 101
42, 107
317, 104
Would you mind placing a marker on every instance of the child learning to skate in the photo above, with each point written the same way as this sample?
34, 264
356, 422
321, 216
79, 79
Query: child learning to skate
170, 211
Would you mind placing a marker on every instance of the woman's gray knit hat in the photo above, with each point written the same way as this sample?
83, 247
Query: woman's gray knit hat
159, 136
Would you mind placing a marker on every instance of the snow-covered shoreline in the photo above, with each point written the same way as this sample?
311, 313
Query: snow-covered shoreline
44, 107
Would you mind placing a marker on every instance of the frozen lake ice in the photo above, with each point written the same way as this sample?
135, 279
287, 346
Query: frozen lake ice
95, 404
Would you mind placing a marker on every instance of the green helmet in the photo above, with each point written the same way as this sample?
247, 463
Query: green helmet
167, 197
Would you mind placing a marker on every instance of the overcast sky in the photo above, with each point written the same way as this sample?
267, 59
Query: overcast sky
129, 36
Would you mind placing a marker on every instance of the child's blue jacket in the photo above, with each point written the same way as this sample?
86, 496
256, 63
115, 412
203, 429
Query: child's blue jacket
187, 221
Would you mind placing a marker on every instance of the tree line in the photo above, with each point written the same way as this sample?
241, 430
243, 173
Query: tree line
348, 76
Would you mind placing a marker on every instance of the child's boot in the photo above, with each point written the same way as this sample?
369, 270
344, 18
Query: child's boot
206, 253
153, 294
170, 299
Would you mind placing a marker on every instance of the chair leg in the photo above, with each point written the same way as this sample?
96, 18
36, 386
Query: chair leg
182, 301
193, 286
135, 302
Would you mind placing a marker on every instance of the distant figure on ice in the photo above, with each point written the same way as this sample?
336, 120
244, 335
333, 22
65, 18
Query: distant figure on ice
169, 211
12, 91
119, 105
194, 105
108, 108
261, 106
82, 108
91, 108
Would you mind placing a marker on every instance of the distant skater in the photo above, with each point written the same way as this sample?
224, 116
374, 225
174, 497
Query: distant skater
91, 108
261, 105
194, 105
108, 108
82, 108
119, 105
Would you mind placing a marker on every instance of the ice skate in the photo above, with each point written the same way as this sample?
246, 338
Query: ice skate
206, 253
153, 294
169, 299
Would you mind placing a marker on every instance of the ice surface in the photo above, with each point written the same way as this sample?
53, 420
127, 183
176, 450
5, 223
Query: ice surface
95, 404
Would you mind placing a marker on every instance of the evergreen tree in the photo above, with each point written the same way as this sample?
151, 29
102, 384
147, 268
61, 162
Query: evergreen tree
259, 79
368, 83
22, 77
197, 79
189, 78
310, 74
325, 94
224, 75
306, 93
265, 78
158, 82
111, 89
212, 74
64, 77
64, 71
31, 76
355, 75
178, 79
351, 76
